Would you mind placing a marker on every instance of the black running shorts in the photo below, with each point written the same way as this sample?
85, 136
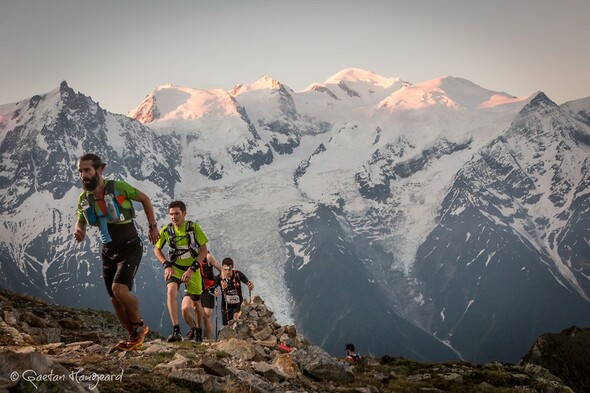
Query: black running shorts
207, 299
119, 264
194, 298
228, 312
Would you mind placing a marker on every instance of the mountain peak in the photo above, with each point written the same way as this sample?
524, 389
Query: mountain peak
45, 107
541, 98
448, 91
66, 92
360, 75
175, 102
540, 104
264, 83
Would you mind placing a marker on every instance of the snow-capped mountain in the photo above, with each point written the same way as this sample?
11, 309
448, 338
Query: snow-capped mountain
434, 220
42, 139
509, 255
215, 133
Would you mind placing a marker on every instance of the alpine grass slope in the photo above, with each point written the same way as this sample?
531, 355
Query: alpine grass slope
437, 220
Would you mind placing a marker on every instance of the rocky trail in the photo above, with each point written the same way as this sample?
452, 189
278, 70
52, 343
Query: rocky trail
52, 348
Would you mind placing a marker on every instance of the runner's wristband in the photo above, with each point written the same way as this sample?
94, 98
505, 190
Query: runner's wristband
167, 264
194, 266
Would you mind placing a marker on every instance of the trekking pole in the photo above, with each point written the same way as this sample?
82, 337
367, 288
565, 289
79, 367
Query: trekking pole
250, 296
226, 313
215, 303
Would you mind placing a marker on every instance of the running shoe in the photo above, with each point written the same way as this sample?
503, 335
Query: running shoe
175, 336
190, 336
136, 339
195, 334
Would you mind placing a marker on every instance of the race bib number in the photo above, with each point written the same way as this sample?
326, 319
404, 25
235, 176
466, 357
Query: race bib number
232, 299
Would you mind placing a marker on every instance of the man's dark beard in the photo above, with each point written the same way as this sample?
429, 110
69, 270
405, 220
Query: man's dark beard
90, 186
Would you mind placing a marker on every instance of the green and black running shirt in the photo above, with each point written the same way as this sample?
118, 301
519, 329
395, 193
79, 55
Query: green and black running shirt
122, 231
125, 193
182, 243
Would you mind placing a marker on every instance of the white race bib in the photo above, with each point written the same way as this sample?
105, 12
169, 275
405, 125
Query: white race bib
232, 299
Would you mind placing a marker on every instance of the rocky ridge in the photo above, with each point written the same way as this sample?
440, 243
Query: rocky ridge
54, 348
564, 354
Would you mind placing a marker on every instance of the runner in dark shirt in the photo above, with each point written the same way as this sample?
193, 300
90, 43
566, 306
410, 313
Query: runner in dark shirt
230, 281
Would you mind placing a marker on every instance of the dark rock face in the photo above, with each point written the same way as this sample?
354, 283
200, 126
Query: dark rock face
565, 355
211, 169
251, 156
440, 149
379, 189
371, 190
285, 135
350, 92
330, 318
302, 167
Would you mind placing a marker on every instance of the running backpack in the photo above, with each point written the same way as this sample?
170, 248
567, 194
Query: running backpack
207, 274
109, 189
173, 251
237, 297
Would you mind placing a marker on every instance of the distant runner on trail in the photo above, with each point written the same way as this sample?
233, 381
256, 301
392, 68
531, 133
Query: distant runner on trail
187, 248
107, 205
230, 281
351, 355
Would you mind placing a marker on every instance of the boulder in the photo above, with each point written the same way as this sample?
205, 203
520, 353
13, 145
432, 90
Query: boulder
252, 382
269, 372
196, 381
318, 364
286, 365
239, 349
214, 367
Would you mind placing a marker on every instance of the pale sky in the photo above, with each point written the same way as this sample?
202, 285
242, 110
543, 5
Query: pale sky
118, 51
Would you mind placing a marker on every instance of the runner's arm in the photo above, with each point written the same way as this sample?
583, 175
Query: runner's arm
160, 257
215, 286
211, 259
245, 280
153, 234
80, 226
79, 231
216, 282
202, 253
